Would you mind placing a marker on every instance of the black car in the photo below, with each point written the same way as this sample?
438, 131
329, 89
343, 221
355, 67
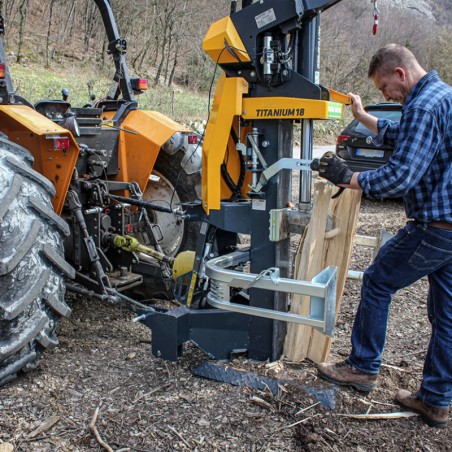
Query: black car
355, 143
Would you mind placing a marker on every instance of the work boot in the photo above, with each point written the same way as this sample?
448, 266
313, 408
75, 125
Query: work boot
345, 374
434, 417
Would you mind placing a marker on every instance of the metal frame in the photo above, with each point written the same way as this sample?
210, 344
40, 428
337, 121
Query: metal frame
117, 46
322, 290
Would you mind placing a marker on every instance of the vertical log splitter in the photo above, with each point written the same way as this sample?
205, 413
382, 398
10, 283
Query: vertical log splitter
269, 53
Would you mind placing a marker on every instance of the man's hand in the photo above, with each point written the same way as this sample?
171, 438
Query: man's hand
357, 105
359, 113
334, 169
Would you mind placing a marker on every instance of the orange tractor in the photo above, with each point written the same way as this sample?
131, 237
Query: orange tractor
90, 195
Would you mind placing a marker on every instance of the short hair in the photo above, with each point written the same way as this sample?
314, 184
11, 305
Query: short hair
390, 57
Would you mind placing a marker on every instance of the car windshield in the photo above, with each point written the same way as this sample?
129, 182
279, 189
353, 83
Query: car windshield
393, 115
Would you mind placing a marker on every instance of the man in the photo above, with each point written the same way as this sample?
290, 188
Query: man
420, 171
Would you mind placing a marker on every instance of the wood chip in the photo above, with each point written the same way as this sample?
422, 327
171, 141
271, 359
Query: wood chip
299, 422
261, 402
95, 432
278, 365
46, 425
179, 435
6, 447
377, 416
145, 396
400, 369
307, 408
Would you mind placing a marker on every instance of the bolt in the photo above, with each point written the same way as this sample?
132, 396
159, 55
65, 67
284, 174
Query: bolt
265, 144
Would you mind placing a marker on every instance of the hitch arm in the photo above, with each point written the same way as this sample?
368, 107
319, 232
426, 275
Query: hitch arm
131, 244
76, 208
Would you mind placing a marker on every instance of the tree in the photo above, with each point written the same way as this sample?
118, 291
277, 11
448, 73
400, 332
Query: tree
23, 9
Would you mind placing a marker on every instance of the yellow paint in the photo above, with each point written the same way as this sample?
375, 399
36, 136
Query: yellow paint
107, 124
214, 46
183, 264
35, 132
339, 97
288, 108
227, 104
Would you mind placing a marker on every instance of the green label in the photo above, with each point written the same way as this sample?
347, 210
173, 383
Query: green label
334, 110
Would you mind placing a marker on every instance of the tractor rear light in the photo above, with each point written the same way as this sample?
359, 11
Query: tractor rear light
193, 139
341, 138
61, 143
2, 70
139, 84
143, 84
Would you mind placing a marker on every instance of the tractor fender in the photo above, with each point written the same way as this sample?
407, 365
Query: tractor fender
142, 135
32, 130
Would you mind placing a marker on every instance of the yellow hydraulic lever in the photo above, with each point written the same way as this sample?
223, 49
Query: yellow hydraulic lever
337, 96
131, 244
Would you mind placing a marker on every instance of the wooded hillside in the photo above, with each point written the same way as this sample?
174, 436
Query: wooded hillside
164, 37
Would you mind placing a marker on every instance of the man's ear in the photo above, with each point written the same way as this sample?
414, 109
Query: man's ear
400, 71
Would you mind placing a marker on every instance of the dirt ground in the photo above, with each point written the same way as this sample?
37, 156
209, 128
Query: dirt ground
147, 404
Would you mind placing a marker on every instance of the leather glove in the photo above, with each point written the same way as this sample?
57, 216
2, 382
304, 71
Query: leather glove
332, 168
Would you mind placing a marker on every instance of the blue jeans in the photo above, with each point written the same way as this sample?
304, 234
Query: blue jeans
416, 251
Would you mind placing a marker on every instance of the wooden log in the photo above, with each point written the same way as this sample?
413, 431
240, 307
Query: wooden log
318, 249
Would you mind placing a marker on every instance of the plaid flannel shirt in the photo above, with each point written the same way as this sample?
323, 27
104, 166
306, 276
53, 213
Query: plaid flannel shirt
420, 169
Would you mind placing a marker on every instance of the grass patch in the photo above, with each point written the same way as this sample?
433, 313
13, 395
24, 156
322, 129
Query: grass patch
36, 83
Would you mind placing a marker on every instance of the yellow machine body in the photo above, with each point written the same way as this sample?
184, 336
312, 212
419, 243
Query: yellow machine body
35, 132
227, 107
229, 104
214, 43
290, 108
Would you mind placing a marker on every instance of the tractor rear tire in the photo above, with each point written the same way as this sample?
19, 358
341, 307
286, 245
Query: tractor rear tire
32, 264
172, 181
178, 235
